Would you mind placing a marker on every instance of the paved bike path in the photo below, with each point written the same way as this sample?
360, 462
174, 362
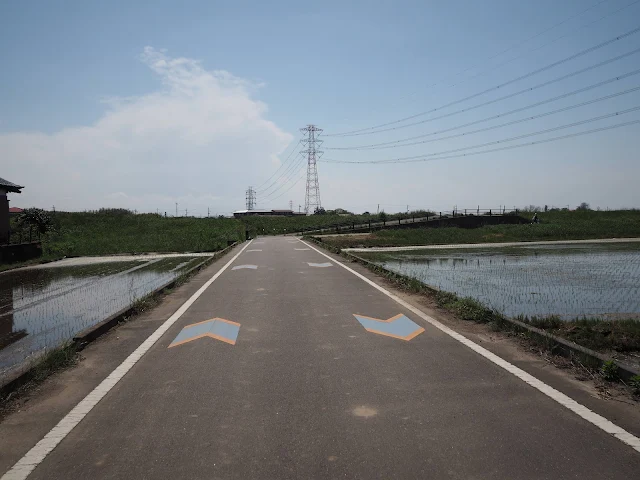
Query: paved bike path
308, 392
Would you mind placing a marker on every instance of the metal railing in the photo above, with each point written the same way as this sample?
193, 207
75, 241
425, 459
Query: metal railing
23, 236
403, 219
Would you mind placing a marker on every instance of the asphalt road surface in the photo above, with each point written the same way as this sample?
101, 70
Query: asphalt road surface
309, 390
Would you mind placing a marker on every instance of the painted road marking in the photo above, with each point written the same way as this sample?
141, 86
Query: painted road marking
320, 265
255, 250
37, 454
218, 328
564, 400
397, 327
240, 267
301, 249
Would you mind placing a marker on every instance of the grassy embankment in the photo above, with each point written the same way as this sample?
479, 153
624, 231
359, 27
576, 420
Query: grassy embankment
557, 225
120, 231
114, 231
117, 231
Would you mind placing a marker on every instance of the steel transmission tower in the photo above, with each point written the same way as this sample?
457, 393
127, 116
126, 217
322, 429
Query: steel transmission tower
250, 198
312, 197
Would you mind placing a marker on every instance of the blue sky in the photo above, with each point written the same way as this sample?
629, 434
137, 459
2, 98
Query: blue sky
90, 115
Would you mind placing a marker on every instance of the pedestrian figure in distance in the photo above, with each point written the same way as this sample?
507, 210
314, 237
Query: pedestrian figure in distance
535, 218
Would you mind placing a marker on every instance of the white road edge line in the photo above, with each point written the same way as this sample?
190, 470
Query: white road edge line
564, 400
37, 454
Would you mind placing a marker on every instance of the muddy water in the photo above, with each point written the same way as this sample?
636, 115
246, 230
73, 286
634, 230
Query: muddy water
40, 308
565, 280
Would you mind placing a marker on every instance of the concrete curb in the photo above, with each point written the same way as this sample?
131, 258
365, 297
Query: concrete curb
562, 346
88, 335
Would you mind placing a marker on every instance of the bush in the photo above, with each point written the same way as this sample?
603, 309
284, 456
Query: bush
36, 217
609, 370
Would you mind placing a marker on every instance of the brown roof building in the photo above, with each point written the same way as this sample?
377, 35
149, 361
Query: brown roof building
6, 187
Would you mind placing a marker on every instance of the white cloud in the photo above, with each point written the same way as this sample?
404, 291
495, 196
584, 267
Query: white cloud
198, 141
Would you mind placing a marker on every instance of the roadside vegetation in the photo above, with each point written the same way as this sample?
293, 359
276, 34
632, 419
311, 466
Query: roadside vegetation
555, 225
120, 231
595, 333
114, 231
111, 231
54, 361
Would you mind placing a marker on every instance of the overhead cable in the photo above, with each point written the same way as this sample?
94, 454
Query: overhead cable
281, 166
520, 145
397, 144
505, 97
366, 131
510, 139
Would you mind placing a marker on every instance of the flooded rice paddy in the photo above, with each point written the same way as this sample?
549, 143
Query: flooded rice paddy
42, 307
570, 281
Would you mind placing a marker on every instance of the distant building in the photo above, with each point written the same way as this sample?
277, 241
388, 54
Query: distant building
6, 187
15, 211
266, 213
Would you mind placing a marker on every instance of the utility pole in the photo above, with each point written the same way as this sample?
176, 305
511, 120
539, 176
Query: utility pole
250, 198
208, 211
312, 196
176, 209
378, 208
299, 207
186, 212
291, 205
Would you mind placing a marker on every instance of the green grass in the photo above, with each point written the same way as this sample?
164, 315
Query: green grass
557, 225
58, 359
111, 231
595, 333
119, 231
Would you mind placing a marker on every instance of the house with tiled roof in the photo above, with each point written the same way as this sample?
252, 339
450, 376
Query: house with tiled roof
6, 187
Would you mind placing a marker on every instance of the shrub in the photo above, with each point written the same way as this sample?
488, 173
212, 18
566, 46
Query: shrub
609, 370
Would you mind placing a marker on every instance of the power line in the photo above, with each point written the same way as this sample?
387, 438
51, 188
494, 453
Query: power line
510, 147
423, 156
539, 34
536, 104
281, 165
284, 172
534, 117
258, 189
546, 44
505, 97
286, 176
293, 171
514, 122
292, 185
366, 131
517, 44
